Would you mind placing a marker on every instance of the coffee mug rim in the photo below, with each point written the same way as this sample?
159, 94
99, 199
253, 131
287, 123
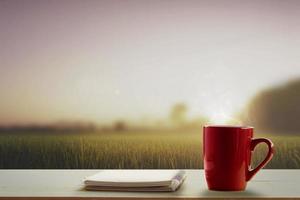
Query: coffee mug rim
229, 126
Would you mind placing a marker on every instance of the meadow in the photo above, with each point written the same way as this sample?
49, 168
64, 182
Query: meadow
128, 150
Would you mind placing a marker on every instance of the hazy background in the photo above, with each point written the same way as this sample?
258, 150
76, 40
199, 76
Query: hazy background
124, 65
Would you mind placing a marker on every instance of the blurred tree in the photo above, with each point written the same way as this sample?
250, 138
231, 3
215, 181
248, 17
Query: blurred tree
178, 114
276, 109
120, 125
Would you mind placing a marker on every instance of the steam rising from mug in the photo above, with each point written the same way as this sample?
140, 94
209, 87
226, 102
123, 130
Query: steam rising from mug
224, 119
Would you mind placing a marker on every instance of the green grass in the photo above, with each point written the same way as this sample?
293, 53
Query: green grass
125, 150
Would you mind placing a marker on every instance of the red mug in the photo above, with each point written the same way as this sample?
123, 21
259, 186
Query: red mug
227, 156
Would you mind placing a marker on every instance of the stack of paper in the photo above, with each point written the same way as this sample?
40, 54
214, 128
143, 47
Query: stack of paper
135, 180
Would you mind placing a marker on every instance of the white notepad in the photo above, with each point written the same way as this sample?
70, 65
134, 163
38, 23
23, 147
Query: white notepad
135, 180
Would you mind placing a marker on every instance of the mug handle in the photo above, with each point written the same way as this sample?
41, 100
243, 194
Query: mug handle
254, 143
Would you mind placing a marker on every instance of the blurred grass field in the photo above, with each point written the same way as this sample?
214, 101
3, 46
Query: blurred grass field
128, 150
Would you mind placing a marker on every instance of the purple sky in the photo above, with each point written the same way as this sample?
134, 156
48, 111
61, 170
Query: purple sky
106, 60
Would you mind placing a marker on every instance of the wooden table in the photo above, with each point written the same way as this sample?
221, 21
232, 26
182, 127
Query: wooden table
67, 184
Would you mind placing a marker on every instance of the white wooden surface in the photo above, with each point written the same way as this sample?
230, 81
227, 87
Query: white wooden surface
67, 184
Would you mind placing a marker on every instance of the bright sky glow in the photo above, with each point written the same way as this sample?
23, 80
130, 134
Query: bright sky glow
105, 60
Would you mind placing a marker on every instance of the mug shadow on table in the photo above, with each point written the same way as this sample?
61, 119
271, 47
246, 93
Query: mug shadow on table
247, 193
